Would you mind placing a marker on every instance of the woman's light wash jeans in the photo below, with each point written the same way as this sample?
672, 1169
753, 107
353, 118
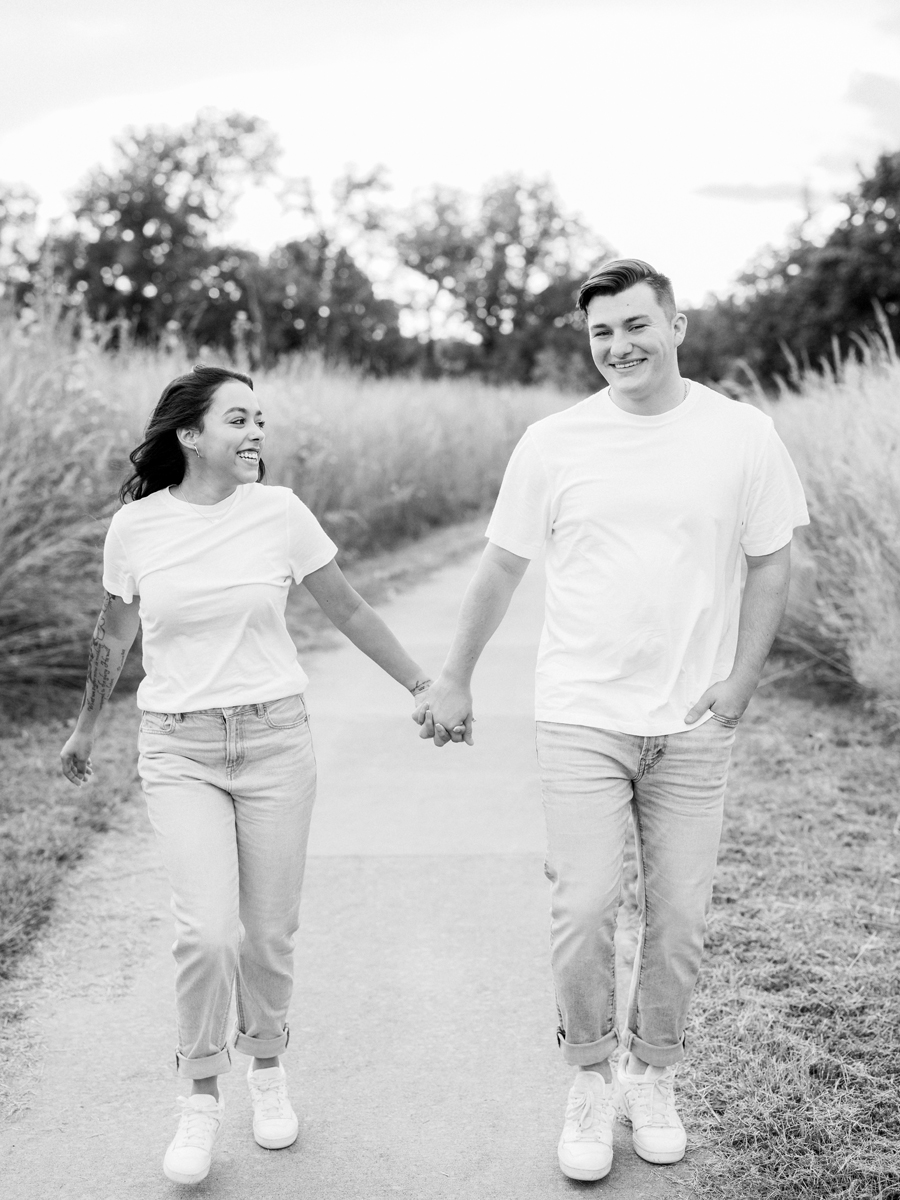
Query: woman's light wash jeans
230, 794
675, 788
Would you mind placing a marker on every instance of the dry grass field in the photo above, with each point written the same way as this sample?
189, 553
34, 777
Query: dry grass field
793, 1078
843, 431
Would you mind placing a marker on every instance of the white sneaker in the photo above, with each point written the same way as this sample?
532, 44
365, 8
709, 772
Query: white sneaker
274, 1121
187, 1159
586, 1144
648, 1100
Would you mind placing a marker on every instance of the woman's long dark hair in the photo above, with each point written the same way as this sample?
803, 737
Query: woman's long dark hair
159, 460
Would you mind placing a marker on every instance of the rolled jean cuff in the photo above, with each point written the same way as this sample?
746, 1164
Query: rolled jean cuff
654, 1056
203, 1068
262, 1047
584, 1054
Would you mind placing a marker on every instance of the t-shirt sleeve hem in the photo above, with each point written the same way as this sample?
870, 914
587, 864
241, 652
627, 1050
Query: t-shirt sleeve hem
116, 587
523, 549
321, 559
776, 542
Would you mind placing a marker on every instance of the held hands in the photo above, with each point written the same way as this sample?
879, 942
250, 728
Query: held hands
75, 758
728, 698
444, 713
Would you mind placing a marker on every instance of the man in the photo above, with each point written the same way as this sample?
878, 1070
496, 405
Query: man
647, 498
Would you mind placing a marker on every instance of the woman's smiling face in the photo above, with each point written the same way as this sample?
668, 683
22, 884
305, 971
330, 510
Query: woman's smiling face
230, 443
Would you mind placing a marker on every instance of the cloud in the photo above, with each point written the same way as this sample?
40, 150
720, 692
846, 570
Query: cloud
880, 94
753, 193
890, 22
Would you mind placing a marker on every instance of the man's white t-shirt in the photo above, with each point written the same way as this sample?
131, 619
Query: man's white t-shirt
213, 584
644, 519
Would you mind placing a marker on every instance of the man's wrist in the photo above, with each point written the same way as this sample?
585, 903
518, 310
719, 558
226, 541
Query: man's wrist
745, 678
455, 677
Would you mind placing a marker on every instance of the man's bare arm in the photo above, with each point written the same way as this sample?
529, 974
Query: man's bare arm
762, 607
484, 606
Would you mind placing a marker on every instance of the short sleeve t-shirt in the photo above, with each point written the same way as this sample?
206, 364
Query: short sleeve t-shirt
213, 583
644, 520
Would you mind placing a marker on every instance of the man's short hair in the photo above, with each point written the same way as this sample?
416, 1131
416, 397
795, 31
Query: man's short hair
621, 273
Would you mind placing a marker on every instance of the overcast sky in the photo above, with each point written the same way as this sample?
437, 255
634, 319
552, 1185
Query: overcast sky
683, 131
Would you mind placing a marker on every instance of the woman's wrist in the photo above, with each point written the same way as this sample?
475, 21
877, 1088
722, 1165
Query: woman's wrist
422, 684
88, 719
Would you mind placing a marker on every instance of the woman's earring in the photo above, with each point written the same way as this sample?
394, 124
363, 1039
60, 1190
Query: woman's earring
196, 451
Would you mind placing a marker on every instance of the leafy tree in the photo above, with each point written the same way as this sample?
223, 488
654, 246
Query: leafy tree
142, 248
509, 268
859, 264
146, 253
316, 298
809, 301
18, 241
709, 351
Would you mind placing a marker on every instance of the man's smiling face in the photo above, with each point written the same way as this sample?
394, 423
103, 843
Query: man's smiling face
634, 342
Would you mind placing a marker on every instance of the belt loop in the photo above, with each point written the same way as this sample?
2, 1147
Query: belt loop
260, 710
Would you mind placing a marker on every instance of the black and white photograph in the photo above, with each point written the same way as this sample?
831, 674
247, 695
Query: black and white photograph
450, 600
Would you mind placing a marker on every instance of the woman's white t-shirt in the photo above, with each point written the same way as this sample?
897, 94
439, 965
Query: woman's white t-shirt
213, 583
645, 520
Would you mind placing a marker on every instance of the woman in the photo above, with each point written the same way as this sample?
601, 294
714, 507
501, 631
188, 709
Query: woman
225, 756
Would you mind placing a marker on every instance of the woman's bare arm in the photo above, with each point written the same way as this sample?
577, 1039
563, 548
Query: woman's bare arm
114, 634
349, 613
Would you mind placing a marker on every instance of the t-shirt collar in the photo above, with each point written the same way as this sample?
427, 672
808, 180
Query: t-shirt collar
647, 420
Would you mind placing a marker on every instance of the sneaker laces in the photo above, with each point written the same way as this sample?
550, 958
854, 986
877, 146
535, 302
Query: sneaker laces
653, 1100
586, 1113
270, 1099
197, 1126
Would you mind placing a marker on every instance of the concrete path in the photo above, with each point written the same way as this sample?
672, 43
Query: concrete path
422, 1060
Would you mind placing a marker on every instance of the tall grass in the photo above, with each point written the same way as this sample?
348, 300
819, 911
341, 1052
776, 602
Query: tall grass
380, 461
377, 461
62, 448
843, 431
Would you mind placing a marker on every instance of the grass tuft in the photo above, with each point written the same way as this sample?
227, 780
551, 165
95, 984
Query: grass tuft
843, 432
46, 824
792, 1079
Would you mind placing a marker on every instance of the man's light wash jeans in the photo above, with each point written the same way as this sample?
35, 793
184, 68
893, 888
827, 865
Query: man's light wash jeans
675, 788
230, 794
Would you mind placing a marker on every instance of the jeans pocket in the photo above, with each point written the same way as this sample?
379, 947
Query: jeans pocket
156, 722
289, 713
728, 722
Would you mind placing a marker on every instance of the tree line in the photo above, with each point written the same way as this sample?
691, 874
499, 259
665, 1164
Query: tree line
813, 300
490, 280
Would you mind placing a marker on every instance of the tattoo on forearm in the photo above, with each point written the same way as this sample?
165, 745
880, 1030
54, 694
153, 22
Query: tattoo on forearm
421, 685
102, 671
